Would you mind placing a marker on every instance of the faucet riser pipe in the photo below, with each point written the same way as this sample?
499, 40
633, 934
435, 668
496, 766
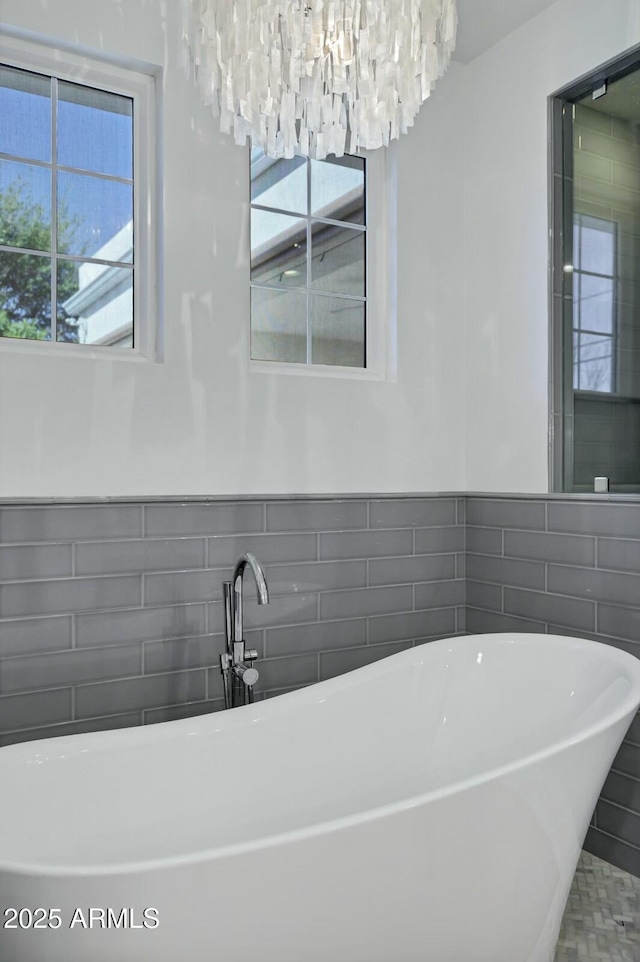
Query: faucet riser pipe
227, 588
237, 608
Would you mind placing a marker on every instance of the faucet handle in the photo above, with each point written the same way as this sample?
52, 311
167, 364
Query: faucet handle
250, 654
249, 676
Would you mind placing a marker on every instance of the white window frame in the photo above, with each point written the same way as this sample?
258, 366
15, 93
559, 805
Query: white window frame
381, 280
139, 82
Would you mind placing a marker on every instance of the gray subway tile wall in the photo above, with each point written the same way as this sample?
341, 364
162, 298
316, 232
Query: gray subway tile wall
108, 557
69, 523
366, 544
197, 519
589, 552
334, 663
27, 636
298, 639
36, 708
80, 727
129, 599
63, 668
331, 515
282, 610
543, 546
312, 577
413, 624
505, 571
69, 594
489, 513
413, 512
367, 601
613, 520
275, 548
545, 607
441, 594
111, 613
36, 561
612, 586
133, 624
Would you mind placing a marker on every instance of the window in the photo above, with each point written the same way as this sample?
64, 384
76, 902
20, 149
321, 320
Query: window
75, 265
595, 322
594, 303
311, 247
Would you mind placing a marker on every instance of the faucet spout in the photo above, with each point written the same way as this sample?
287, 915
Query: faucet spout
262, 590
258, 573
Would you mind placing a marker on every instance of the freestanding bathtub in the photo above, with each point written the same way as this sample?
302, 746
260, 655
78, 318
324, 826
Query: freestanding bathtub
428, 807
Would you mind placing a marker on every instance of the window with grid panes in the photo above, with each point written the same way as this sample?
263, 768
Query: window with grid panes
75, 269
309, 260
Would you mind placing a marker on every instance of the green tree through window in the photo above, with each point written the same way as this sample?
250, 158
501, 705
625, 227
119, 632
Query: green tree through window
66, 210
25, 279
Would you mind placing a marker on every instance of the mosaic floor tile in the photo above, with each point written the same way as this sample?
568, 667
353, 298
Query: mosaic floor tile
602, 920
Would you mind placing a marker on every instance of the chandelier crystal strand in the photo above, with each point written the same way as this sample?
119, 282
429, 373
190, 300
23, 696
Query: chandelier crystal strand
317, 77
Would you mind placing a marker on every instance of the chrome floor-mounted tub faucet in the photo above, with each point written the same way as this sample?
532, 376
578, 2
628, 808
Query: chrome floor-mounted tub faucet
237, 662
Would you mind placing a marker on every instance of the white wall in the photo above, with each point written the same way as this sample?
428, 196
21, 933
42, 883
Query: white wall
506, 224
469, 407
200, 422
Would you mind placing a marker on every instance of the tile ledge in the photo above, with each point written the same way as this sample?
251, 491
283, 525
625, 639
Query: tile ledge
226, 498
608, 498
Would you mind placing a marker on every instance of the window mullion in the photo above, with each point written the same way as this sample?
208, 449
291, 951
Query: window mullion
54, 209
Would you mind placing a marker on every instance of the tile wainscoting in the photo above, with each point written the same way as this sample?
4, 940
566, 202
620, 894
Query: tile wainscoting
111, 612
566, 567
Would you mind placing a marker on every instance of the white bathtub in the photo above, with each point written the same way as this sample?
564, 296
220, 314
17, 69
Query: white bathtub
428, 807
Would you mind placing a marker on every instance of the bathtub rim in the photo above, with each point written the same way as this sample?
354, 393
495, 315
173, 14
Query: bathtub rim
627, 707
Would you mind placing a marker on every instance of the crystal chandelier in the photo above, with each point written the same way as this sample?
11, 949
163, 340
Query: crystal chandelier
317, 77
